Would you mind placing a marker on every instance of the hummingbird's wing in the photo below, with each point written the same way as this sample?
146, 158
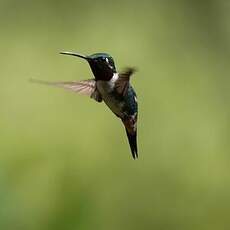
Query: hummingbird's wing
84, 87
122, 83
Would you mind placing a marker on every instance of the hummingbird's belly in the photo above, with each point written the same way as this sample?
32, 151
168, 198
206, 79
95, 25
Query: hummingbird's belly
106, 89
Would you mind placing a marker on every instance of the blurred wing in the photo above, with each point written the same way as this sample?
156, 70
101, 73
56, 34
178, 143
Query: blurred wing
122, 83
85, 87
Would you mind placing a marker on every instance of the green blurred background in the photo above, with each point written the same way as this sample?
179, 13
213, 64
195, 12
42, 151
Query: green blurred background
64, 159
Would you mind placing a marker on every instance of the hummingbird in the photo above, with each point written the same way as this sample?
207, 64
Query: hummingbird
110, 86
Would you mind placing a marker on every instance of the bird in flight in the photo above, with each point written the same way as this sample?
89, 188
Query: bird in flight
109, 86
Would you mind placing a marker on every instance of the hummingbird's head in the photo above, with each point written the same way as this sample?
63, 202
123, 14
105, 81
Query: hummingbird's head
101, 64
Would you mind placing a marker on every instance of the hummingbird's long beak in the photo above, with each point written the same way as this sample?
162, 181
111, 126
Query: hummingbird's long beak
75, 54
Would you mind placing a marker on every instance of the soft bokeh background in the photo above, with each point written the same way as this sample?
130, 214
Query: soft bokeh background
64, 159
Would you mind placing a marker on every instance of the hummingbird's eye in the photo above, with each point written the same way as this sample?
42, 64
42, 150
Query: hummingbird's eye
107, 60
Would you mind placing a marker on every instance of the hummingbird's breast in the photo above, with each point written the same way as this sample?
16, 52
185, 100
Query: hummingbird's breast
110, 97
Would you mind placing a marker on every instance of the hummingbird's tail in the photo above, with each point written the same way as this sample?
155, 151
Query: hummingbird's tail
132, 137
